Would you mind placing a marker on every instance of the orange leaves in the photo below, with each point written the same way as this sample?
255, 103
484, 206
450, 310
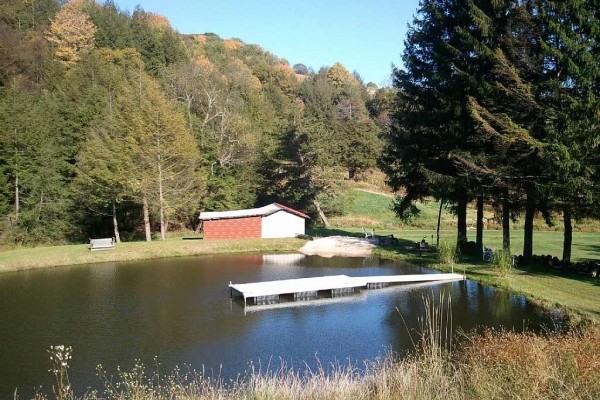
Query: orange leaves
199, 38
232, 44
203, 62
156, 21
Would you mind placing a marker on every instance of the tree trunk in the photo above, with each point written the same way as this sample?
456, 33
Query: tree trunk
568, 239
147, 220
321, 213
506, 224
479, 235
115, 224
528, 233
461, 214
17, 201
161, 200
437, 232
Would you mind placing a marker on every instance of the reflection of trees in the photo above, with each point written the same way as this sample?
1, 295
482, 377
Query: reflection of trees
473, 306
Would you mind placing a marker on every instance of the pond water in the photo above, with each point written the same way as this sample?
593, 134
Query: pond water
179, 310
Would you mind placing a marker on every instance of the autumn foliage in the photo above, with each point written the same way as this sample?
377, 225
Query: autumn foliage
72, 33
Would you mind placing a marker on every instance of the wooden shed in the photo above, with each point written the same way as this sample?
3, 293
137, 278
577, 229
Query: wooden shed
272, 221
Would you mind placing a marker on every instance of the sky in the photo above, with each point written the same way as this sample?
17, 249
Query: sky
366, 36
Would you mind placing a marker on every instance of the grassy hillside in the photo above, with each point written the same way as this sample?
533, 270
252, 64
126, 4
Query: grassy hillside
367, 207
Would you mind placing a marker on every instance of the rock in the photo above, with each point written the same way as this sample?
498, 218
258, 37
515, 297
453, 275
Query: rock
339, 246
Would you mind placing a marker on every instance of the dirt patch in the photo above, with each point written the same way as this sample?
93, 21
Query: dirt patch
339, 246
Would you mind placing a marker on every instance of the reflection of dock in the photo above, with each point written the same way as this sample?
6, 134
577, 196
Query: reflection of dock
325, 286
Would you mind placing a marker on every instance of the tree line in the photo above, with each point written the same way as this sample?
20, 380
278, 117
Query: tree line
114, 124
498, 104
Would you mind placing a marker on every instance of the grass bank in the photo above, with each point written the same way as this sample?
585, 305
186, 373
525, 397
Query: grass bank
369, 209
577, 295
43, 257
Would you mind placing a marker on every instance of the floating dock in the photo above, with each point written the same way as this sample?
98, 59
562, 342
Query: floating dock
324, 286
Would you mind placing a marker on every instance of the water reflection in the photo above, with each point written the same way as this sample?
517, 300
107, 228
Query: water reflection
180, 311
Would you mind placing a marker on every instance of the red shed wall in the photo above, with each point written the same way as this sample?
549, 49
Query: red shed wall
233, 228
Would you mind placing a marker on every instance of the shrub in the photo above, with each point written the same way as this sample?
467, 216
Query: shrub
446, 252
502, 262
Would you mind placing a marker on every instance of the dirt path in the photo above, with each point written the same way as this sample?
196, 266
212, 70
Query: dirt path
390, 195
339, 246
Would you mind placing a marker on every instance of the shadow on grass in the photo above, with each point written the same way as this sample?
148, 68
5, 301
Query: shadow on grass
537, 270
592, 248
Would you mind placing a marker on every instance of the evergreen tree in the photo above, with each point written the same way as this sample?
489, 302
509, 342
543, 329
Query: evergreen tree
571, 40
433, 132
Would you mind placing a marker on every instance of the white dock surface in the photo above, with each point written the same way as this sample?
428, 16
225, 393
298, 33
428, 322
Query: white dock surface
290, 286
411, 278
287, 286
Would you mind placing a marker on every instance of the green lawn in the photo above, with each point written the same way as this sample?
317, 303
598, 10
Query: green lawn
40, 257
374, 210
586, 245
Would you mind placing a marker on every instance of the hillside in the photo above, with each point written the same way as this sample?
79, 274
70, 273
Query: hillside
126, 128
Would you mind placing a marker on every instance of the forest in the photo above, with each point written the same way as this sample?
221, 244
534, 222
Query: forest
498, 103
114, 124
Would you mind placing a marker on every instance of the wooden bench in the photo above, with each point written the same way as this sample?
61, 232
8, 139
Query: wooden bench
102, 244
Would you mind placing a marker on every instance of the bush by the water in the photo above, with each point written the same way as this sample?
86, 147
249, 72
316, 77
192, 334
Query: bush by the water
502, 262
446, 252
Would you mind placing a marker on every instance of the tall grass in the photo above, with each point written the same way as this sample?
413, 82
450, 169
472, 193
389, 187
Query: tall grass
502, 262
446, 252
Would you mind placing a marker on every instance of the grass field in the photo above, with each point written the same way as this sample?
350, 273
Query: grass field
41, 257
374, 210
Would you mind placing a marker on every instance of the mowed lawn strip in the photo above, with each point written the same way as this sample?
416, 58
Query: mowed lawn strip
545, 285
42, 257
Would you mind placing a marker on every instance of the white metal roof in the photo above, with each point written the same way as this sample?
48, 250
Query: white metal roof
250, 212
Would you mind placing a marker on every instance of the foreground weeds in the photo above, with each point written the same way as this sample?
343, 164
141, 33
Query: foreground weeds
491, 365
528, 366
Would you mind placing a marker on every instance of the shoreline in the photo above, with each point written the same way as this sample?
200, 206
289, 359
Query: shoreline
558, 295
24, 259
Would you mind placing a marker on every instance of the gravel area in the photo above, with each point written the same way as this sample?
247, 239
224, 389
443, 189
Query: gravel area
339, 246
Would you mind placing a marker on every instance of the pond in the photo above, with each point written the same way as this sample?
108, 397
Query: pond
179, 310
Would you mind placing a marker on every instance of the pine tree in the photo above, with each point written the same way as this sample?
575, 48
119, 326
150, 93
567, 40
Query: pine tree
571, 40
432, 129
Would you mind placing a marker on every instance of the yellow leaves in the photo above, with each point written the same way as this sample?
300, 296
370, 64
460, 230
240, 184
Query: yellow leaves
338, 75
242, 73
157, 21
285, 77
72, 32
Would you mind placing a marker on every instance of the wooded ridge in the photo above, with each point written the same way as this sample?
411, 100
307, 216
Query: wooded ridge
114, 124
